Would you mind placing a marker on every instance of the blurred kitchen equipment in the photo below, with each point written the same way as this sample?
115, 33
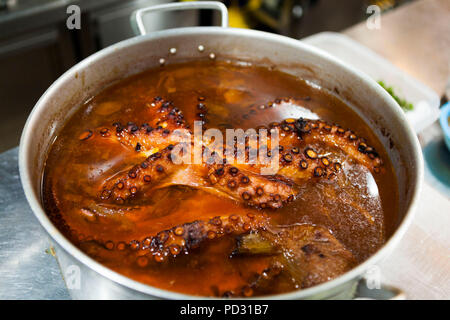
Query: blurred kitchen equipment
113, 24
35, 41
7, 4
300, 18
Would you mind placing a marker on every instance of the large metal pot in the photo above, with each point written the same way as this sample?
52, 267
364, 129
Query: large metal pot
87, 278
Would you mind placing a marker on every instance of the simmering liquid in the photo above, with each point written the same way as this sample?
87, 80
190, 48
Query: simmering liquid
232, 92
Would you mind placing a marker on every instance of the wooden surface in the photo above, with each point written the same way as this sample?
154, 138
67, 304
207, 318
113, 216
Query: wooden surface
415, 37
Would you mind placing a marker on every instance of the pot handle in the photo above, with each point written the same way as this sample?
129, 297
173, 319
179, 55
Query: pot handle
137, 17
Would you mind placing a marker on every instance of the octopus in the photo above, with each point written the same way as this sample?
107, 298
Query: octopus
309, 150
308, 255
297, 161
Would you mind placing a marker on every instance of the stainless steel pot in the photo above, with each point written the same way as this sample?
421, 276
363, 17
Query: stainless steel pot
87, 278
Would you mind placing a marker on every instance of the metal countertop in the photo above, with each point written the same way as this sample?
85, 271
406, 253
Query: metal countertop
27, 269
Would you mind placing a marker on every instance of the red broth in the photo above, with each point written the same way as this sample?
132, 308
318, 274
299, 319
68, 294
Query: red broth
231, 91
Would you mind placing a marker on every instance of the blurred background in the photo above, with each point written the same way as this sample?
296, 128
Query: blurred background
36, 47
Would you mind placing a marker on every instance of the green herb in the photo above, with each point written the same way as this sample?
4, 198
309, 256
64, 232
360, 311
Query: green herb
402, 102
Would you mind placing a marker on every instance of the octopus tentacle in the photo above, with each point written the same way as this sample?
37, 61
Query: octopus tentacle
298, 161
297, 148
140, 178
335, 136
319, 131
149, 137
307, 254
251, 188
183, 238
223, 180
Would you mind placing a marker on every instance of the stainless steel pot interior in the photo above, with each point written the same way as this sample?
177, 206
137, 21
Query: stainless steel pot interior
129, 57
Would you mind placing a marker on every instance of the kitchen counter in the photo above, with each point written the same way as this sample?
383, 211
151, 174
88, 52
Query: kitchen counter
27, 268
416, 38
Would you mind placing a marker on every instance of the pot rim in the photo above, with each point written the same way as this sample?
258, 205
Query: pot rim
358, 271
